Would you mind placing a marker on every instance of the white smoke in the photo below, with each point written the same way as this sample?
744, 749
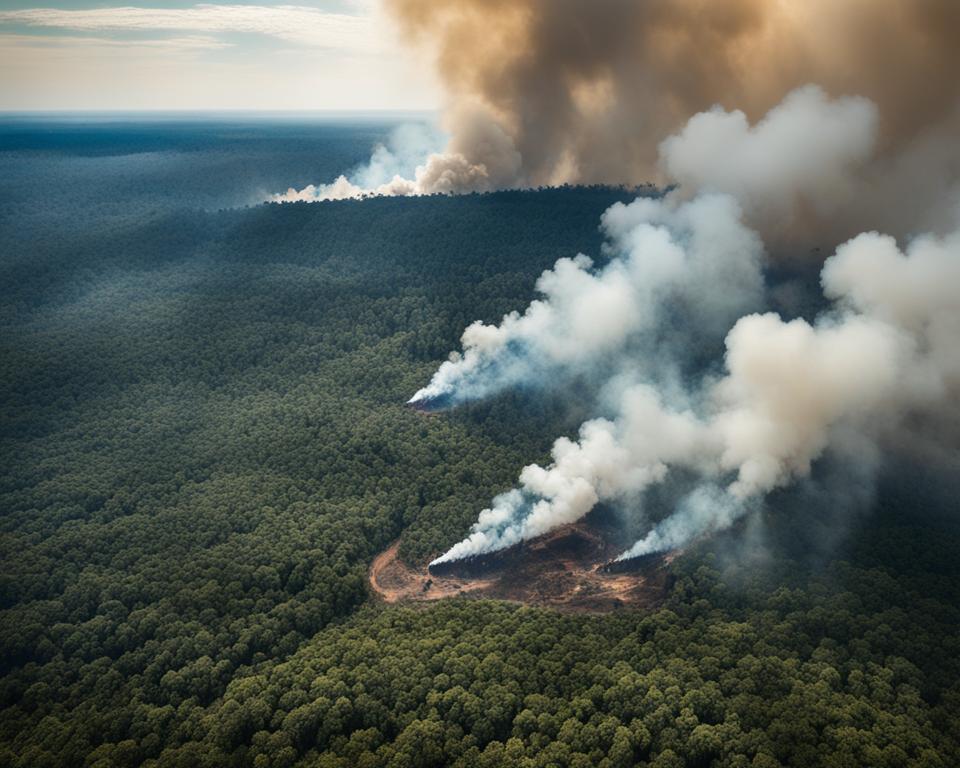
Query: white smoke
788, 383
706, 509
814, 168
788, 386
612, 459
790, 391
478, 158
387, 169
696, 258
917, 289
803, 155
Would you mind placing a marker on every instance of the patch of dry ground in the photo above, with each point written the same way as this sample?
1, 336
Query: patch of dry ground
560, 570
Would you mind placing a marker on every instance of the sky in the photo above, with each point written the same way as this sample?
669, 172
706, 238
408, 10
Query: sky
297, 55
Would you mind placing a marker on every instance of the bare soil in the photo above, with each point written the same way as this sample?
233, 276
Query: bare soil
560, 570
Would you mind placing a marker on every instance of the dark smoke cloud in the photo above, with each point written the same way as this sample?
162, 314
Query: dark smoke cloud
555, 91
588, 90
585, 92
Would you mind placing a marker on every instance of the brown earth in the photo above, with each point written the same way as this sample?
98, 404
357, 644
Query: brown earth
560, 570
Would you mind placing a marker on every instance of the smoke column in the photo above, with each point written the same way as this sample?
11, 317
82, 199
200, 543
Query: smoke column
552, 91
600, 84
790, 390
714, 97
478, 157
695, 257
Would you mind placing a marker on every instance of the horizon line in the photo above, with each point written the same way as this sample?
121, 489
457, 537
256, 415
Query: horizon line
252, 112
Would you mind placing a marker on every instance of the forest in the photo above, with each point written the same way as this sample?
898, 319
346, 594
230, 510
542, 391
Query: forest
205, 443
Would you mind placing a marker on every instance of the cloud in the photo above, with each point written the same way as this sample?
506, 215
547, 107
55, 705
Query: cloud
341, 56
299, 25
76, 43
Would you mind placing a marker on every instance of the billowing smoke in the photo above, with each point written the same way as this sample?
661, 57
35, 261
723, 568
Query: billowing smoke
882, 357
552, 91
586, 91
803, 156
714, 98
789, 388
795, 390
611, 459
478, 157
695, 258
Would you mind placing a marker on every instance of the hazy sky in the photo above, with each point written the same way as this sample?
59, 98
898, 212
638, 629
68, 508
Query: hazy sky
149, 54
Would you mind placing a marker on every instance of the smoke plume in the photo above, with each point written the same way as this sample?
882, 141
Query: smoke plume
696, 258
552, 91
478, 157
789, 389
880, 360
586, 92
803, 156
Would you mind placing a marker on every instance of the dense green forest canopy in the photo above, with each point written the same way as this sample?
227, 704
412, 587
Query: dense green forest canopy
205, 443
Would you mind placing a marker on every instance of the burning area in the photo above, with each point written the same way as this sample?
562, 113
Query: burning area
570, 568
